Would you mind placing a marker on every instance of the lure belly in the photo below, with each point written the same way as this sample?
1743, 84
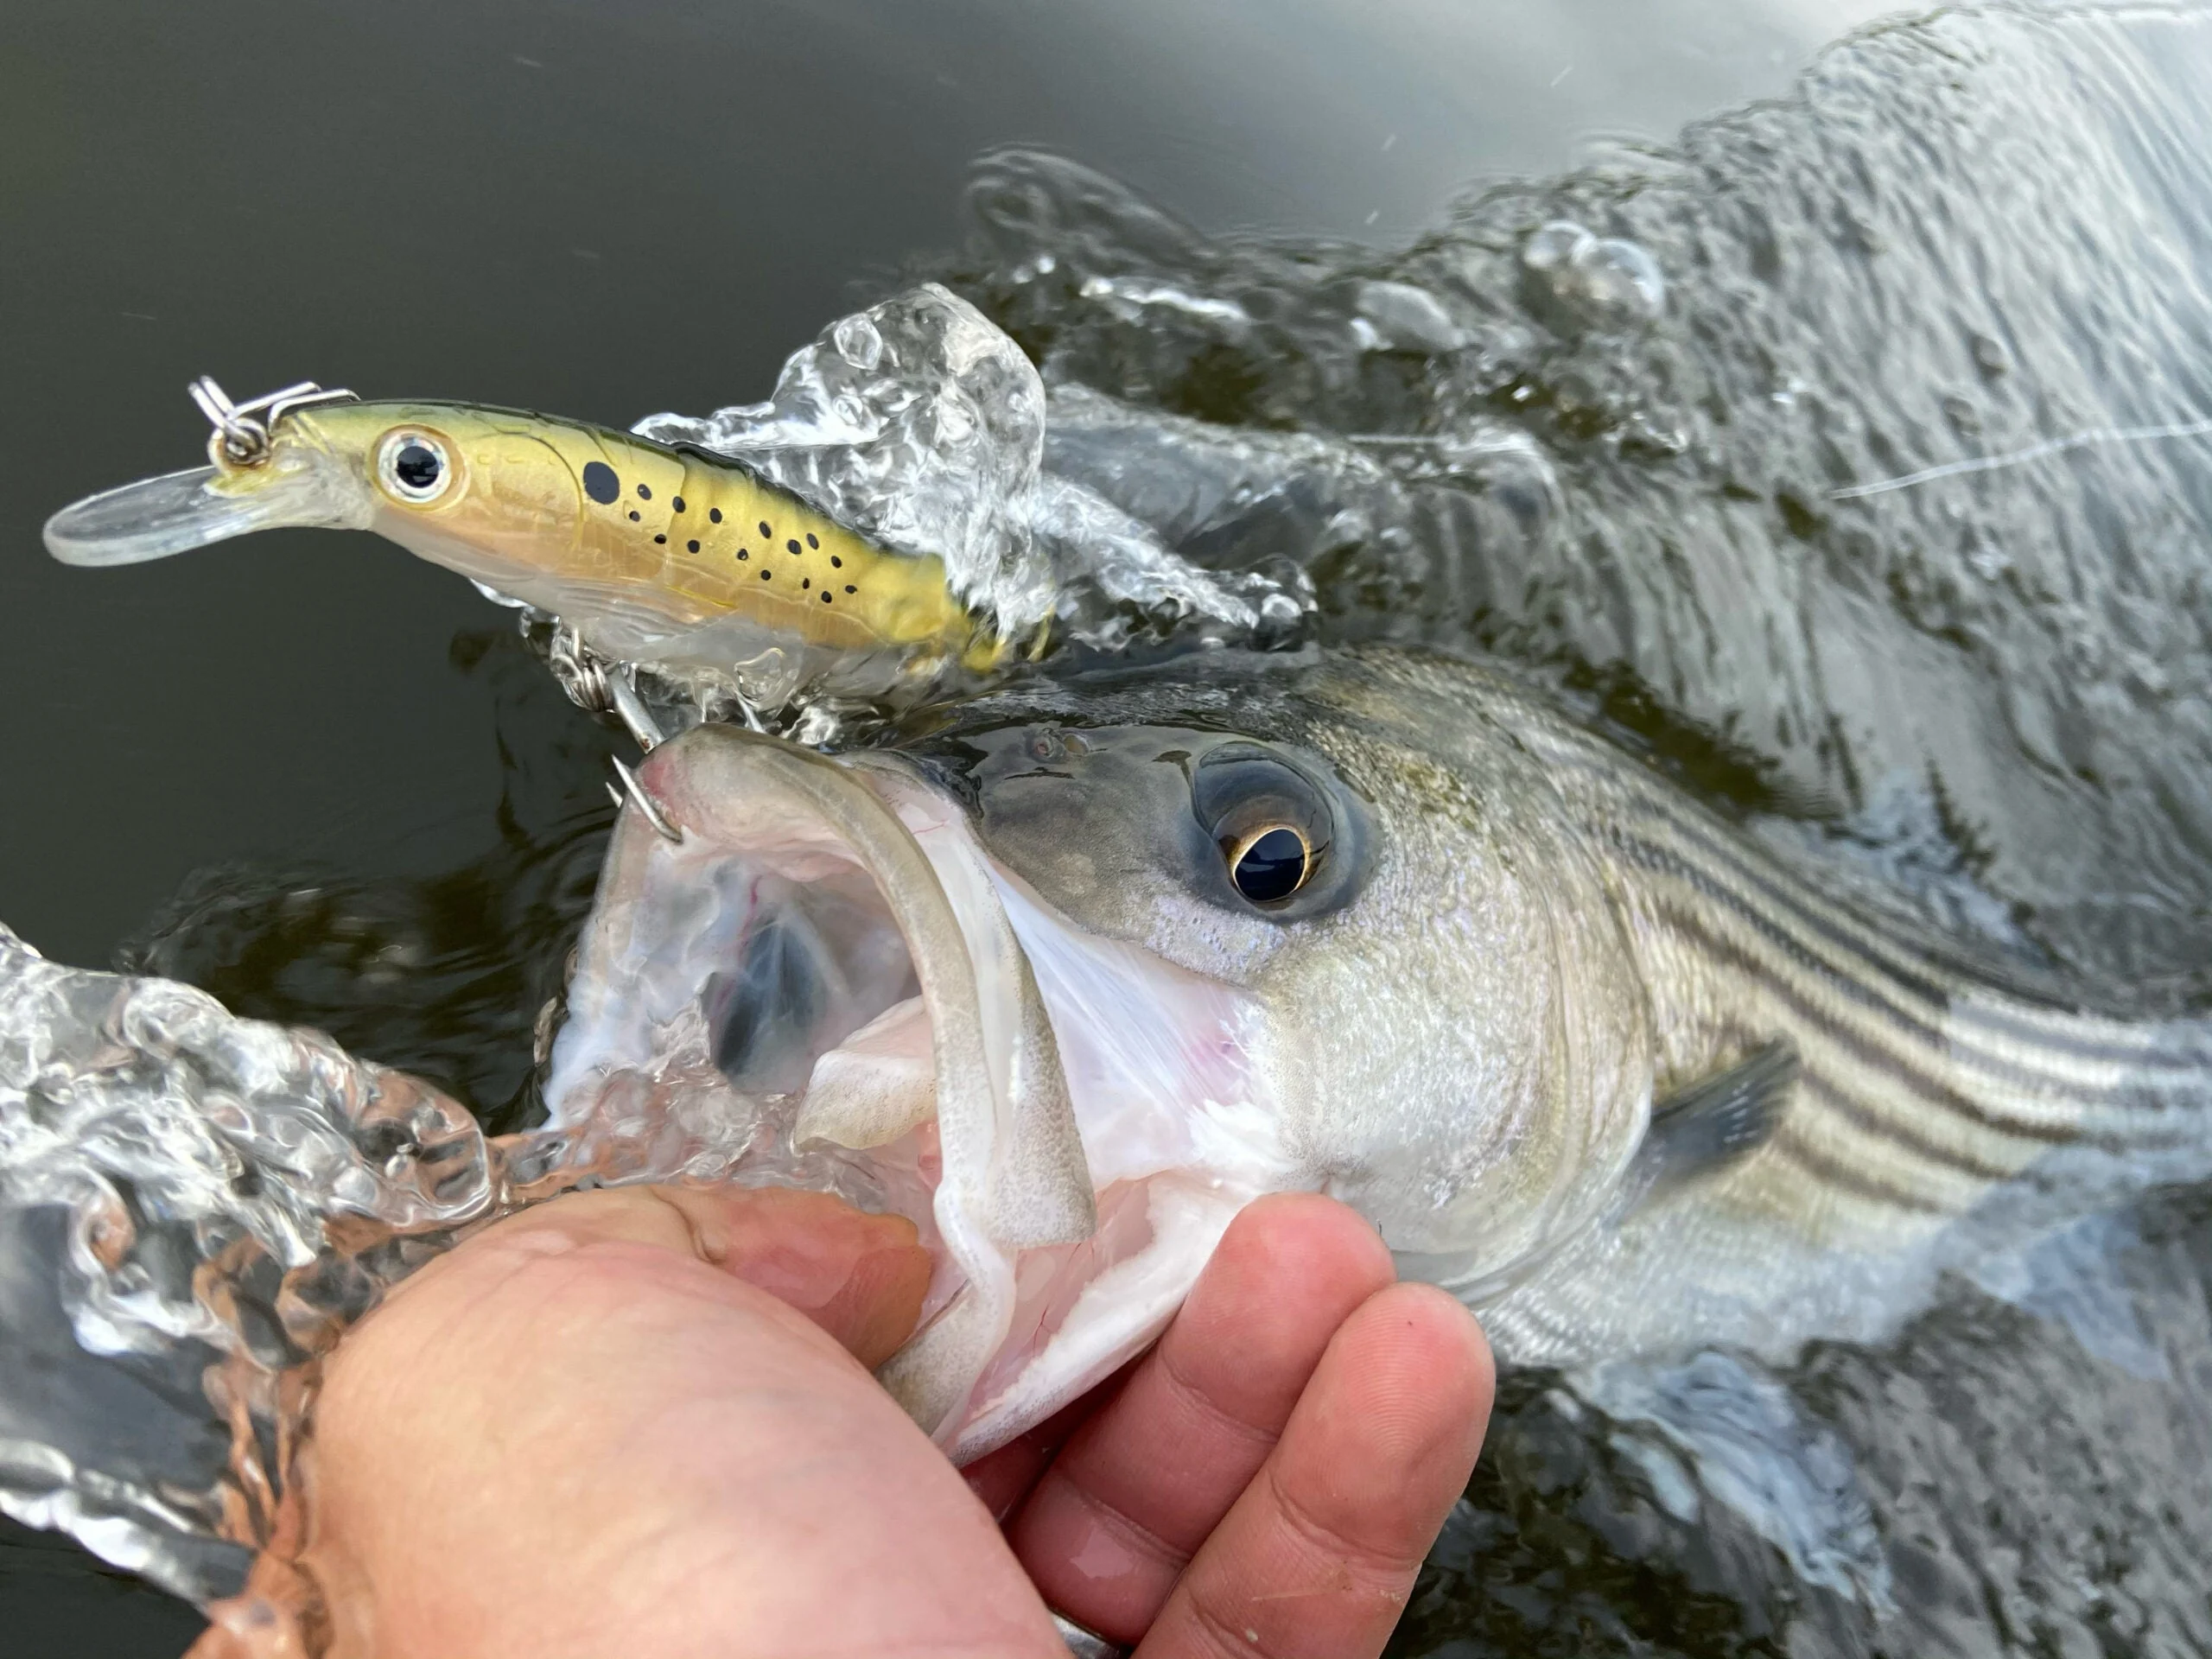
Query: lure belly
671, 557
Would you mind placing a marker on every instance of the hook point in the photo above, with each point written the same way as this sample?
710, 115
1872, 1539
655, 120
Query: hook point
635, 791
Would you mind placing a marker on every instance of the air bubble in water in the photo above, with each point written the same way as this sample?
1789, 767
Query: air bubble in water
1406, 318
1602, 282
858, 342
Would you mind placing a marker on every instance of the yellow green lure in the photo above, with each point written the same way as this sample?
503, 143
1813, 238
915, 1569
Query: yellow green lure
671, 557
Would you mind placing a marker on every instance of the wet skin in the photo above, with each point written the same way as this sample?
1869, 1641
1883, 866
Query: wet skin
642, 1420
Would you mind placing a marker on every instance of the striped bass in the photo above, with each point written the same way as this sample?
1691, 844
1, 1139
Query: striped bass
1069, 974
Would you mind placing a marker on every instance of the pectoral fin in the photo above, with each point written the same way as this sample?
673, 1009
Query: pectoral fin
1714, 1123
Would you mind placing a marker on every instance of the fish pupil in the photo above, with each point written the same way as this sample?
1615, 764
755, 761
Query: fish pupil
1273, 867
416, 466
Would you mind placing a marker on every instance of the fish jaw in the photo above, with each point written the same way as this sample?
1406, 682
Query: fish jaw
1170, 1075
828, 983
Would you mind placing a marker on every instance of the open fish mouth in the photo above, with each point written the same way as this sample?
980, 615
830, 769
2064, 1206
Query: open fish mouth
815, 973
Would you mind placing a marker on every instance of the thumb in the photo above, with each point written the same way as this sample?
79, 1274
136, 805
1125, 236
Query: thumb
861, 1277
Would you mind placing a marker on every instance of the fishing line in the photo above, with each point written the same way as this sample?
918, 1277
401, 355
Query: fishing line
2092, 437
2099, 435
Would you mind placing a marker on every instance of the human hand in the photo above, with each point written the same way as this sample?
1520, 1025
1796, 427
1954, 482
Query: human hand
1268, 1478
642, 1419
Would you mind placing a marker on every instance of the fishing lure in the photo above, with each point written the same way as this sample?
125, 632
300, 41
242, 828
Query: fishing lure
671, 557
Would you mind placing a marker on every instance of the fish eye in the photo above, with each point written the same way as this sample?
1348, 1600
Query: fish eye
1269, 822
414, 466
1269, 864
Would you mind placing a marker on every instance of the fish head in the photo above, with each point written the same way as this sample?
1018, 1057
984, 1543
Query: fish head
1448, 1023
1069, 980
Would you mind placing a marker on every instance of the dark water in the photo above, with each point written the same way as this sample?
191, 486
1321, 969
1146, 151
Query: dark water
328, 784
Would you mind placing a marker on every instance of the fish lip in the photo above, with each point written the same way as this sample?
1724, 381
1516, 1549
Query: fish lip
1178, 1131
976, 1385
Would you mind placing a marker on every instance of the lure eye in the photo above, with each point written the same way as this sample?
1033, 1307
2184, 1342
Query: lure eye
414, 466
1270, 864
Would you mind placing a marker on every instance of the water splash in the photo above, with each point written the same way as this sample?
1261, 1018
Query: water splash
1743, 360
192, 1207
922, 424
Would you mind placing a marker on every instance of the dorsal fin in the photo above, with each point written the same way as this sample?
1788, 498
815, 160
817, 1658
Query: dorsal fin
1712, 1123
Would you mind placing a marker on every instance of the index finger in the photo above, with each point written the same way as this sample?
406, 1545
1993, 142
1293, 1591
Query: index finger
1320, 1555
1114, 1520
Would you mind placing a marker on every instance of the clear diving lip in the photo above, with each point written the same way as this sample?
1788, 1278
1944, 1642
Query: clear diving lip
156, 517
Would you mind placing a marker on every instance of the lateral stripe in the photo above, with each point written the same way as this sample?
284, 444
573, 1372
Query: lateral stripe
2044, 1020
1816, 1164
2091, 1074
2047, 1023
1900, 1063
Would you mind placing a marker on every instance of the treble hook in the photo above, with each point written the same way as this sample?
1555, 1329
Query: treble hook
633, 792
622, 692
241, 434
